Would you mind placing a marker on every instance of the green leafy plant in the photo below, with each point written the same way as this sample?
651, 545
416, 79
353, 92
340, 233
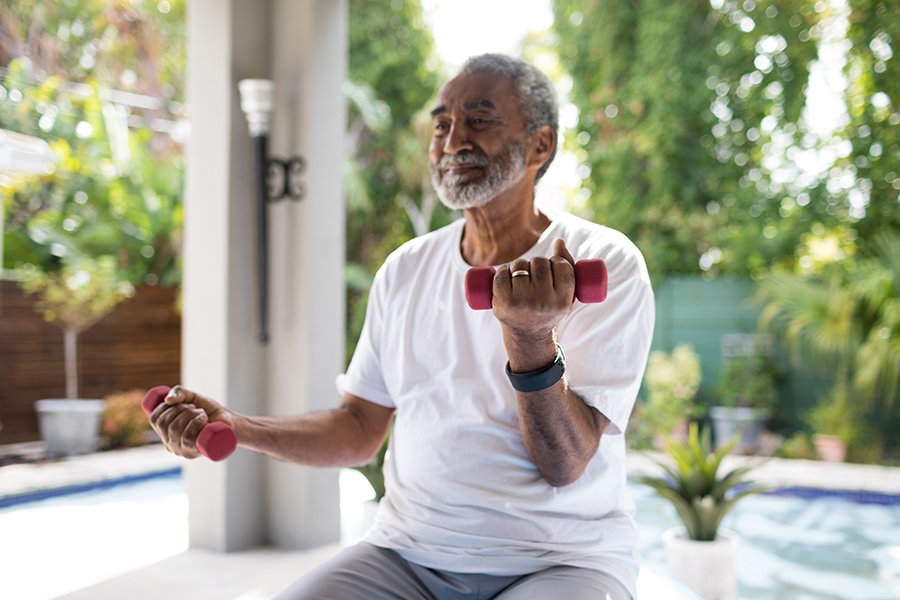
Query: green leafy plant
798, 446
747, 381
374, 470
835, 415
74, 298
847, 318
124, 422
671, 381
693, 485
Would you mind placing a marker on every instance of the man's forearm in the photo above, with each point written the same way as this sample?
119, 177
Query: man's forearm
561, 432
330, 438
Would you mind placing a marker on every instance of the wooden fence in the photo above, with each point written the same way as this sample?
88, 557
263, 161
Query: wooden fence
137, 346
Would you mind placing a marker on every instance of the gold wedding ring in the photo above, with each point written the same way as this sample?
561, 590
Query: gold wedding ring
520, 273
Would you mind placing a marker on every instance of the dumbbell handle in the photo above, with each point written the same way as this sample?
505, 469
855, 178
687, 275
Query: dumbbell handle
216, 440
590, 284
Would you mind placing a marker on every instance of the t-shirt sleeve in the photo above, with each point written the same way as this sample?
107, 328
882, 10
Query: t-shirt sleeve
607, 344
364, 377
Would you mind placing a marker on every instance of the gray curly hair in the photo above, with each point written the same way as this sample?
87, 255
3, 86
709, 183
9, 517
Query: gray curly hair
534, 91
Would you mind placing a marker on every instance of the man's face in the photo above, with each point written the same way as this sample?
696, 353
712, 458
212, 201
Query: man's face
478, 149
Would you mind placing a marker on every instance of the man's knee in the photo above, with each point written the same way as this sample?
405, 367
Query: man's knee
571, 583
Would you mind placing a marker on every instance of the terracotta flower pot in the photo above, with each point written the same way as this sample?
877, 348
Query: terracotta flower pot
830, 447
705, 567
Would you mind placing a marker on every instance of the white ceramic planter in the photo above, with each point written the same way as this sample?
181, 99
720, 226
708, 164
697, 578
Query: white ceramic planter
70, 426
728, 421
705, 567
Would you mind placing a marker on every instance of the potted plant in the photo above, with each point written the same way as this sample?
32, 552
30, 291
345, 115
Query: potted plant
671, 382
834, 422
81, 293
700, 554
746, 393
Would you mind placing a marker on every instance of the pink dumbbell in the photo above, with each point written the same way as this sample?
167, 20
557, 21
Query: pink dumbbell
216, 440
590, 284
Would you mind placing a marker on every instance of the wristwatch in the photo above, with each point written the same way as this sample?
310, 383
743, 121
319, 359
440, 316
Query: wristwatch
540, 379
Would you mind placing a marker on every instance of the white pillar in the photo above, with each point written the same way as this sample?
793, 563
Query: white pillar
249, 500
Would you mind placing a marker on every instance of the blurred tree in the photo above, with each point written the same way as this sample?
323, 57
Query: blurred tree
103, 82
687, 111
133, 46
75, 298
393, 76
846, 319
873, 101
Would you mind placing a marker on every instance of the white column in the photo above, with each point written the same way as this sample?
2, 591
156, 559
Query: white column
307, 254
249, 500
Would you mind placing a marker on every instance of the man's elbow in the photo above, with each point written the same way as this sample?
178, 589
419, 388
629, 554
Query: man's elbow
363, 456
563, 475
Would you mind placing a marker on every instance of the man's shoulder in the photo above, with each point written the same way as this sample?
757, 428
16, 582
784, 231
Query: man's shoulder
592, 240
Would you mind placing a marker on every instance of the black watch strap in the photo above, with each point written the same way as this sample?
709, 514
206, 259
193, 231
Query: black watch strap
541, 379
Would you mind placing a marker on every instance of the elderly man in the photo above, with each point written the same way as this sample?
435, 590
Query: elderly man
506, 471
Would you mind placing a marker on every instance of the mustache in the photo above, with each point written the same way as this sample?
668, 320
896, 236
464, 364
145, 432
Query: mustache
477, 159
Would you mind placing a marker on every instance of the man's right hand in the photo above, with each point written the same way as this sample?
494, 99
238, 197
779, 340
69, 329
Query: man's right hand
180, 417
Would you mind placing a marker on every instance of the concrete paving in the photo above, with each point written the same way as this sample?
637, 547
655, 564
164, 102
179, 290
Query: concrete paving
204, 575
19, 479
259, 574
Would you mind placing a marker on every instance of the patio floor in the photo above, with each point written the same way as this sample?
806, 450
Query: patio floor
259, 574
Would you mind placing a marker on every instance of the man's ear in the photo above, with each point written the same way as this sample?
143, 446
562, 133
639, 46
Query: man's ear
542, 143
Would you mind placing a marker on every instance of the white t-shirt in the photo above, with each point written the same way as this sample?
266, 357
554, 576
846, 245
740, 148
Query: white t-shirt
462, 493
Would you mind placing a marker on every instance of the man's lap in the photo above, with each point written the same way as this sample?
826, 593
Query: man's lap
367, 572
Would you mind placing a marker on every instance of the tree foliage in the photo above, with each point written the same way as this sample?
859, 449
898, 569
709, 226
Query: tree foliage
103, 82
80, 294
873, 101
679, 104
847, 319
393, 75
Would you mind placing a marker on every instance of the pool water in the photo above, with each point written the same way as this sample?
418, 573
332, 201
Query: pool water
791, 548
58, 545
796, 549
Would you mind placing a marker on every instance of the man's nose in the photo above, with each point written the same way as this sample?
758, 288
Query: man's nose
457, 139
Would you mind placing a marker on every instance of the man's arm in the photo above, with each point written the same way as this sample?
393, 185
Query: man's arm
348, 435
561, 432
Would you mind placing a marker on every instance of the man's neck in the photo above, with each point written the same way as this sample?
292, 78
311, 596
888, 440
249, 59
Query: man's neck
502, 230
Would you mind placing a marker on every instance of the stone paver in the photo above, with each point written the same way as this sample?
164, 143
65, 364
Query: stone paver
27, 478
780, 473
797, 549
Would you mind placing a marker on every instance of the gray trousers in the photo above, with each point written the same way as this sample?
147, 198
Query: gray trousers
367, 572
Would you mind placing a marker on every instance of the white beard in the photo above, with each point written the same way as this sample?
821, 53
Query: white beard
501, 174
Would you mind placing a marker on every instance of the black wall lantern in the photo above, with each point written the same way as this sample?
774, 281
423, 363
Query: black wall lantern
275, 179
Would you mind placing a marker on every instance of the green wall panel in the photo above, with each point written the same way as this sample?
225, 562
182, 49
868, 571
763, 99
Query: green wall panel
699, 312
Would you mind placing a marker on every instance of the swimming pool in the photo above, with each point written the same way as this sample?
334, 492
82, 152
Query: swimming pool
55, 545
795, 548
791, 548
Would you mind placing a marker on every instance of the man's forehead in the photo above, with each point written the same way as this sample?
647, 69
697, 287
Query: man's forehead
477, 90
469, 105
